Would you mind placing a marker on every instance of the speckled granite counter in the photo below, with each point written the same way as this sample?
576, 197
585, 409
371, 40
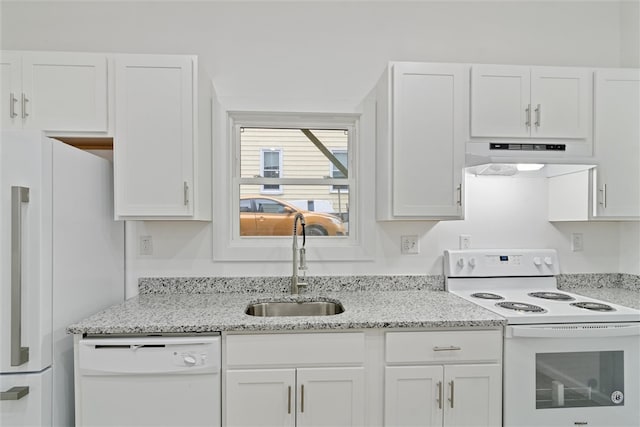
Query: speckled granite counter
185, 313
184, 305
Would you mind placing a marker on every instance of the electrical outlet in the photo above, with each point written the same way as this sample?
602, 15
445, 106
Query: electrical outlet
409, 245
465, 241
577, 242
146, 245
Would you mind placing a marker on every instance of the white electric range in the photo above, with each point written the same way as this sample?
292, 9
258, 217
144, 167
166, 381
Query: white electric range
568, 359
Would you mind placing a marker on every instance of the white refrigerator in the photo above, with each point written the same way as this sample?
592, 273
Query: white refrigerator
61, 259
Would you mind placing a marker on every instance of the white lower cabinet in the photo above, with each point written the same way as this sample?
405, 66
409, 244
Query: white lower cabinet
295, 380
301, 396
453, 395
363, 378
443, 385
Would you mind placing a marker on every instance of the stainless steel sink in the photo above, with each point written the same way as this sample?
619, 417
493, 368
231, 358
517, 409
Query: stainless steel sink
294, 308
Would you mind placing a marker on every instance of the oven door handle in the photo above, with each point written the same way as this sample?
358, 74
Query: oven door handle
568, 331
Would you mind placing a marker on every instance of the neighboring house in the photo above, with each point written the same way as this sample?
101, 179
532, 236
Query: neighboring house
288, 153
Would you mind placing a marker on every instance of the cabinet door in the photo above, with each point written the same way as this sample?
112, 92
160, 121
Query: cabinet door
32, 409
258, 397
560, 102
10, 90
473, 395
500, 101
617, 139
429, 123
331, 397
153, 145
413, 396
65, 91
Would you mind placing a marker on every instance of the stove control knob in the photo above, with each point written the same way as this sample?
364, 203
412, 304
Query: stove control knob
537, 261
460, 262
472, 262
548, 261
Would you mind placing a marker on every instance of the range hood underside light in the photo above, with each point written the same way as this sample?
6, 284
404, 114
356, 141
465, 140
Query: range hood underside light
526, 167
504, 169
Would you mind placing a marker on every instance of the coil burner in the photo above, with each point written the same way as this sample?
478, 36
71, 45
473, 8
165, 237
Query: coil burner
595, 306
555, 296
486, 295
521, 306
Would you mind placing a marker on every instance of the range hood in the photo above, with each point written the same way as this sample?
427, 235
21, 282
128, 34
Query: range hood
567, 151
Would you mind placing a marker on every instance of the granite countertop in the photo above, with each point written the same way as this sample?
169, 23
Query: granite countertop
188, 313
192, 305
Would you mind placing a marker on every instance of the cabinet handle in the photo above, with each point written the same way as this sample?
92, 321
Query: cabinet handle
14, 393
528, 116
12, 105
603, 197
439, 399
302, 398
459, 195
19, 354
24, 106
451, 392
450, 348
289, 401
186, 193
538, 115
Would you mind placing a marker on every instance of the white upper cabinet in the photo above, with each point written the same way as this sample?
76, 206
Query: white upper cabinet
422, 114
530, 102
157, 146
610, 188
61, 93
616, 186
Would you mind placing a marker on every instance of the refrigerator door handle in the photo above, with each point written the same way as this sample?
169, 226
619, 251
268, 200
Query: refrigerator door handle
14, 393
19, 354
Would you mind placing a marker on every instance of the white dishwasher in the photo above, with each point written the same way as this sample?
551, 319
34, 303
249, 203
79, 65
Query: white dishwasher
148, 381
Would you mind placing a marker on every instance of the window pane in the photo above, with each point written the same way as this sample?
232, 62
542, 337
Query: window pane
301, 158
270, 169
326, 213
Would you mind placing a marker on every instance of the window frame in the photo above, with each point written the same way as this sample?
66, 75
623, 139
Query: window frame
357, 245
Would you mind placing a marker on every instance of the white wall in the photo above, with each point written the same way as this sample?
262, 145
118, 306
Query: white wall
305, 54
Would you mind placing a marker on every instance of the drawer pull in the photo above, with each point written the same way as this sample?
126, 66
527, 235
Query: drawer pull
449, 348
15, 393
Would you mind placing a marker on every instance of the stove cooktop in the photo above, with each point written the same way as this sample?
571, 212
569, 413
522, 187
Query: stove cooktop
519, 307
521, 286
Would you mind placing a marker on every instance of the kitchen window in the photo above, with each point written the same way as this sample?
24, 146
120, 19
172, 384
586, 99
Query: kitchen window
292, 171
318, 153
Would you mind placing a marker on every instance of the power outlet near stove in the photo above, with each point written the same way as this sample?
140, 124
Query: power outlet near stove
577, 242
409, 245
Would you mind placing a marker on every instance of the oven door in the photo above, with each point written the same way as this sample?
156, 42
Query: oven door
566, 375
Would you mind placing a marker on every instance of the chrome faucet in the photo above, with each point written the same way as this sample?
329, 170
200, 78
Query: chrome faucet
295, 283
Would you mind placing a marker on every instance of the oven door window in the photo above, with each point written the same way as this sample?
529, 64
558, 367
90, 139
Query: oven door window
579, 379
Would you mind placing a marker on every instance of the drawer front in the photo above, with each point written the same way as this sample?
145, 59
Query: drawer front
294, 349
455, 346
